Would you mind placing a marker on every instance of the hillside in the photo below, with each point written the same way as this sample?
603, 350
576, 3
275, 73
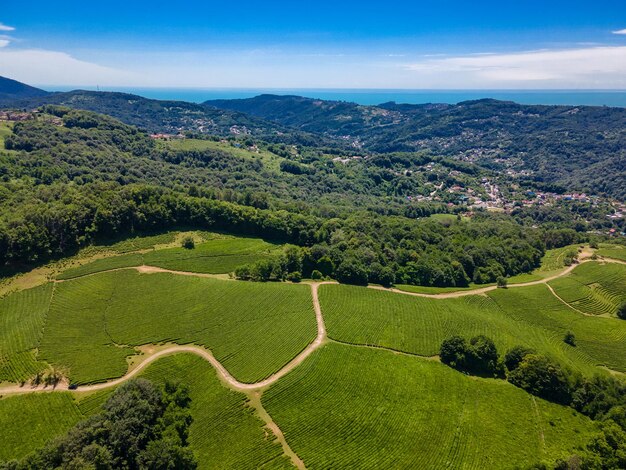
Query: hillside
306, 375
152, 115
14, 90
579, 148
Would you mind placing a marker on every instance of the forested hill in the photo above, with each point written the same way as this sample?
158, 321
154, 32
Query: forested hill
577, 147
154, 115
12, 89
560, 148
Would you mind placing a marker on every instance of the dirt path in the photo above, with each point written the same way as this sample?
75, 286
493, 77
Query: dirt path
223, 374
255, 402
483, 290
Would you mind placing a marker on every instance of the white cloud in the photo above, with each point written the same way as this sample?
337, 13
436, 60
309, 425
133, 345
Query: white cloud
4, 27
4, 42
620, 31
58, 68
592, 67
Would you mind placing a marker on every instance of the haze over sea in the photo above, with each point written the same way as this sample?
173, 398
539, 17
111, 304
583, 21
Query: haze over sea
378, 96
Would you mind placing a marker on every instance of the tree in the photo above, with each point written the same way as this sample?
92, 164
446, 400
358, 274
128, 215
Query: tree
515, 355
478, 356
140, 426
542, 377
502, 282
454, 352
166, 454
621, 311
483, 355
326, 266
351, 271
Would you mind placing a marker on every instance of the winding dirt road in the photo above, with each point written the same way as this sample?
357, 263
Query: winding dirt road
483, 290
319, 340
223, 374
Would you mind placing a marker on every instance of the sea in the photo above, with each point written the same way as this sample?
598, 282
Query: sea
616, 98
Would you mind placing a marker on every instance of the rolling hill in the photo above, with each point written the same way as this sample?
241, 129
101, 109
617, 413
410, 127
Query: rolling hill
574, 147
14, 90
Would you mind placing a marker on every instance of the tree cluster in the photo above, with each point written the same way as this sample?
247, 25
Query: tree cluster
140, 427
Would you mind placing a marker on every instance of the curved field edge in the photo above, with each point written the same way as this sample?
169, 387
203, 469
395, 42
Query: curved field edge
95, 323
225, 432
22, 319
529, 316
345, 404
212, 254
593, 288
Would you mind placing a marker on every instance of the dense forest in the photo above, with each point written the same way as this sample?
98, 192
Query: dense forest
71, 177
74, 177
577, 147
570, 148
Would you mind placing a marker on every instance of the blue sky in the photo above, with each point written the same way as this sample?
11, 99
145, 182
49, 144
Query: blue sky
348, 44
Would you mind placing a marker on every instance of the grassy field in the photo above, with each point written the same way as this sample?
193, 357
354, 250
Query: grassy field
438, 290
593, 288
225, 433
216, 256
27, 422
143, 242
528, 316
22, 317
613, 251
213, 257
351, 407
5, 130
270, 161
252, 328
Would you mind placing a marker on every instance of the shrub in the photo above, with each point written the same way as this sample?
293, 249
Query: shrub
569, 338
502, 282
621, 311
316, 275
243, 272
188, 243
295, 276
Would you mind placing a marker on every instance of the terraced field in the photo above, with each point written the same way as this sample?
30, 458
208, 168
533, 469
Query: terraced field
593, 288
252, 328
221, 255
346, 405
213, 257
351, 407
22, 317
613, 251
27, 422
529, 316
225, 432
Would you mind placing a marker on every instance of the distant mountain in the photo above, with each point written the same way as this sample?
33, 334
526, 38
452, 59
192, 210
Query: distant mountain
580, 147
154, 115
12, 89
338, 118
